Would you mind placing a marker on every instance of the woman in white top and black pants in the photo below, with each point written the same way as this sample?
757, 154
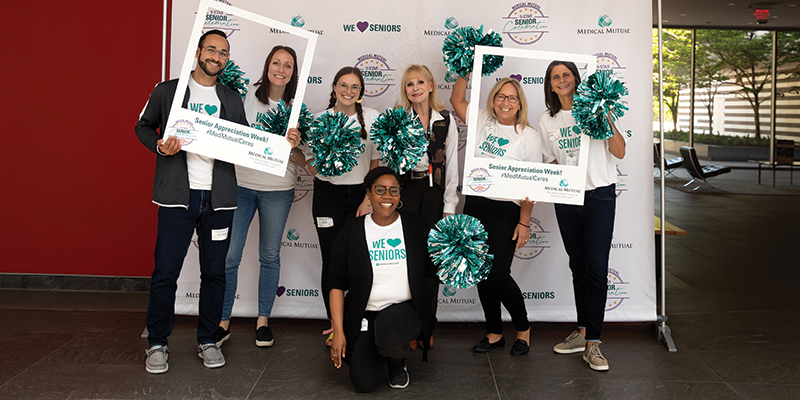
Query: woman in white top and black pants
430, 188
503, 133
338, 199
381, 261
586, 230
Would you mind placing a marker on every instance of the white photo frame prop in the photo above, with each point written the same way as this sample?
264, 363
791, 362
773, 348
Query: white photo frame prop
515, 180
228, 141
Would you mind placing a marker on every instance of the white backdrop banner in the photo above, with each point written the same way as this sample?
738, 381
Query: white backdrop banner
382, 38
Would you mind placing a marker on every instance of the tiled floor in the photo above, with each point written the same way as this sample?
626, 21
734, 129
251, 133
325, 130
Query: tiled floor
732, 295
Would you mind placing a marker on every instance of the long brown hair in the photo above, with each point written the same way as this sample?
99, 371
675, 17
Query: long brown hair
550, 97
262, 93
359, 110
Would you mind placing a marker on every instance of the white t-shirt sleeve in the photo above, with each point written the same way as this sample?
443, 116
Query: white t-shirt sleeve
548, 155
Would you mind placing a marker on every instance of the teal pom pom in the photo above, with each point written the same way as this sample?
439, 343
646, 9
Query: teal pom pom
336, 144
457, 245
400, 137
276, 120
596, 96
233, 77
458, 50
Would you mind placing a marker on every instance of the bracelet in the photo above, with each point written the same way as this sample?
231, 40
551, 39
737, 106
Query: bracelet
527, 226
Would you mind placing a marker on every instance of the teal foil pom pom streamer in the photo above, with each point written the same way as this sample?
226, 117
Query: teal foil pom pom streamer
233, 77
457, 245
597, 95
458, 50
400, 137
276, 120
335, 142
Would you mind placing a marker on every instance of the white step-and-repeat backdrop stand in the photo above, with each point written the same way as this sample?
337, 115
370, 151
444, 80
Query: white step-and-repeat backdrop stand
382, 38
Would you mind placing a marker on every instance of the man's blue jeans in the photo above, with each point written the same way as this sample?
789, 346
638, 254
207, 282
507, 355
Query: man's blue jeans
273, 210
175, 228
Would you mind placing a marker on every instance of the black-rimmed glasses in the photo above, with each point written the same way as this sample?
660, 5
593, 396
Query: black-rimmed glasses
380, 190
511, 99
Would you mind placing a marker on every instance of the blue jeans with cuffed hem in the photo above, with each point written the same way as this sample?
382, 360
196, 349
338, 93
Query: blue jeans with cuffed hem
273, 210
175, 228
587, 231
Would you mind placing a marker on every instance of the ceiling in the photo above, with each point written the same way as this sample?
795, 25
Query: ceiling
727, 14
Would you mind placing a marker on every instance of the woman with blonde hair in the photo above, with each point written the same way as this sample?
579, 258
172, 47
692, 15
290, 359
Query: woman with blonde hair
503, 133
430, 188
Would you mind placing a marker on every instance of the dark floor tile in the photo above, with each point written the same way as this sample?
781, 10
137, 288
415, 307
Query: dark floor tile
49, 321
633, 353
734, 320
337, 385
100, 347
746, 355
453, 358
766, 392
65, 381
596, 385
23, 351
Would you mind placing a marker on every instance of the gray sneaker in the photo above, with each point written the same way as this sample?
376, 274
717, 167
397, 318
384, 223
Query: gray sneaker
156, 360
574, 343
594, 357
211, 355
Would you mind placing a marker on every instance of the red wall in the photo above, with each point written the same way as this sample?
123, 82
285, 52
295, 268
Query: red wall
76, 182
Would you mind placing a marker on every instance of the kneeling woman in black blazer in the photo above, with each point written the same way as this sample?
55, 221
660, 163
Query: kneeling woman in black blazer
381, 261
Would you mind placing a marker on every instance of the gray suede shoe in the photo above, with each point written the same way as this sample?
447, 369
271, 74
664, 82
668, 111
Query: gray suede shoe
211, 355
156, 361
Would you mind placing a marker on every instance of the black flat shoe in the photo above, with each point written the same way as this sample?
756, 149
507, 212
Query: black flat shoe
519, 348
484, 346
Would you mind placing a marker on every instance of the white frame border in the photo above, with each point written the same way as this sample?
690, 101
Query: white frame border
516, 192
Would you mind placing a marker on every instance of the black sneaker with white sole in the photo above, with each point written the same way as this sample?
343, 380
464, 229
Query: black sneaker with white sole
398, 373
221, 335
264, 337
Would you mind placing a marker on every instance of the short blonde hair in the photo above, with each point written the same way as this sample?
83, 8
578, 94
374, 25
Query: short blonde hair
435, 104
522, 114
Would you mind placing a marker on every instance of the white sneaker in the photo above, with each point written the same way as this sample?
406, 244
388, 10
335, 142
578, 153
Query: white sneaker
211, 355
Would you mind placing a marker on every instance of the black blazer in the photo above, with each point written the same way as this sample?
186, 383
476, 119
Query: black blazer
351, 271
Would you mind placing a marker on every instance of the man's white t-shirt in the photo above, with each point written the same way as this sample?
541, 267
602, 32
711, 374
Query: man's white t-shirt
202, 99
